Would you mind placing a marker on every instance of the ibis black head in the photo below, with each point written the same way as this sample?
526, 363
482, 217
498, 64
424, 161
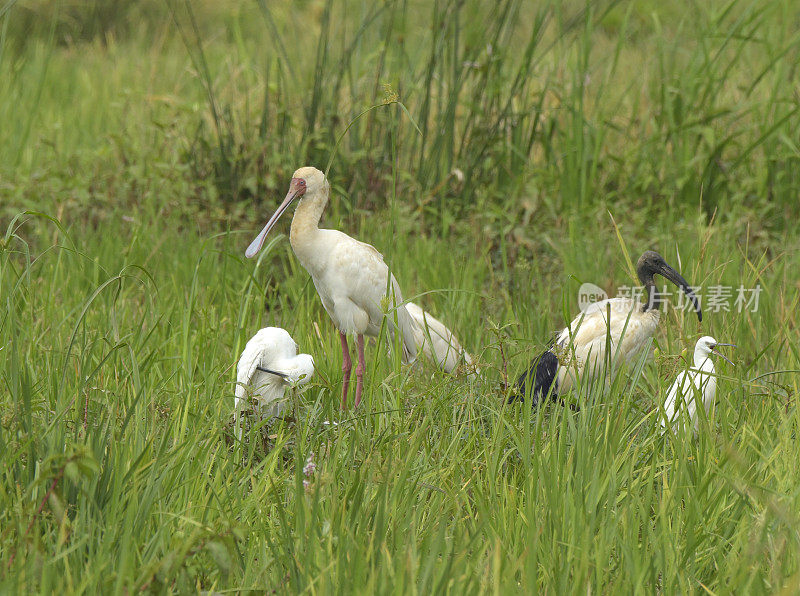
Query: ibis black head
652, 263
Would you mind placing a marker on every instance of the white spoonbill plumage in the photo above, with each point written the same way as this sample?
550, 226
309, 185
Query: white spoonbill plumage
436, 341
350, 276
580, 349
268, 364
699, 382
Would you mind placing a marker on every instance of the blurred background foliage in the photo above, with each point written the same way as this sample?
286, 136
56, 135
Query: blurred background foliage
642, 104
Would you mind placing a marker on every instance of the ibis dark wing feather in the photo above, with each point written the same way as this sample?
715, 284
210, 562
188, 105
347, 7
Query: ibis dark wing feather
538, 380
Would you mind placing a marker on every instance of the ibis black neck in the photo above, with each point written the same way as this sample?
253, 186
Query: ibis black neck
645, 275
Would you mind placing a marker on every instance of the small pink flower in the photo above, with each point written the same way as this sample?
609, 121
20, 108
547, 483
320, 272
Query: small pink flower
310, 467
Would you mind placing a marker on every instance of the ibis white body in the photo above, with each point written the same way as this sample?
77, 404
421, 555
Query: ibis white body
618, 324
271, 348
614, 331
436, 341
693, 388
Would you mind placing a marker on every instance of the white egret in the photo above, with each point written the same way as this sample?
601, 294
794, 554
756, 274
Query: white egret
268, 365
699, 382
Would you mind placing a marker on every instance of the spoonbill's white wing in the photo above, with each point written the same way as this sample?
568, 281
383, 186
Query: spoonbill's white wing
351, 279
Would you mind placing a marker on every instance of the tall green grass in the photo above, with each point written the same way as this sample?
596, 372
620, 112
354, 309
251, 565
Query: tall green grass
126, 299
119, 390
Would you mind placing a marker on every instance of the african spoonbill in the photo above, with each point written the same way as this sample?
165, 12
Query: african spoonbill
350, 276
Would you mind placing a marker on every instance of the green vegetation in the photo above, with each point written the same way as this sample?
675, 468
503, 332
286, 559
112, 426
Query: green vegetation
144, 143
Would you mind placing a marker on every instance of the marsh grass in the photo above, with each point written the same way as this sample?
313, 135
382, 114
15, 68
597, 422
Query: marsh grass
126, 299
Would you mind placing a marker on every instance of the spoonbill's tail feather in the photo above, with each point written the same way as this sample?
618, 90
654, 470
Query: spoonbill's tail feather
538, 380
436, 341
407, 329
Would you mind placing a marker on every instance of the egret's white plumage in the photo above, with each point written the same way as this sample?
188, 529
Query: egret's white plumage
620, 325
273, 349
436, 341
351, 277
693, 387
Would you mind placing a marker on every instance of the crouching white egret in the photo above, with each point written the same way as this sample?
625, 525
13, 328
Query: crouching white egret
268, 365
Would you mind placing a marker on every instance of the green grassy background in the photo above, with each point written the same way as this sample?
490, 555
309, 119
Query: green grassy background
142, 145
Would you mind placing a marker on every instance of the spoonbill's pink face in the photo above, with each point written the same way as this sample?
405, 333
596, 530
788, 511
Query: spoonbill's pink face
297, 189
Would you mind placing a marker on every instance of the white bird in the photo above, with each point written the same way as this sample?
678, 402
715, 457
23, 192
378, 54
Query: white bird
580, 349
436, 341
269, 363
698, 382
351, 277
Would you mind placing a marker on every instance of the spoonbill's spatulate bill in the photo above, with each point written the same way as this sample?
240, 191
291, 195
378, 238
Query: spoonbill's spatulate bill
436, 341
696, 385
350, 276
580, 349
269, 363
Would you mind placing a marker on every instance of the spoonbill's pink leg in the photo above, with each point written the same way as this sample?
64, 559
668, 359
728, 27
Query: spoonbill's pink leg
347, 366
362, 366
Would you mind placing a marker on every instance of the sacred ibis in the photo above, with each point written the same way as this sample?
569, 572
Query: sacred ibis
580, 349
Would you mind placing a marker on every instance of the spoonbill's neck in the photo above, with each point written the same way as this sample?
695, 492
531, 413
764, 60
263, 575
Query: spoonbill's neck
305, 223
